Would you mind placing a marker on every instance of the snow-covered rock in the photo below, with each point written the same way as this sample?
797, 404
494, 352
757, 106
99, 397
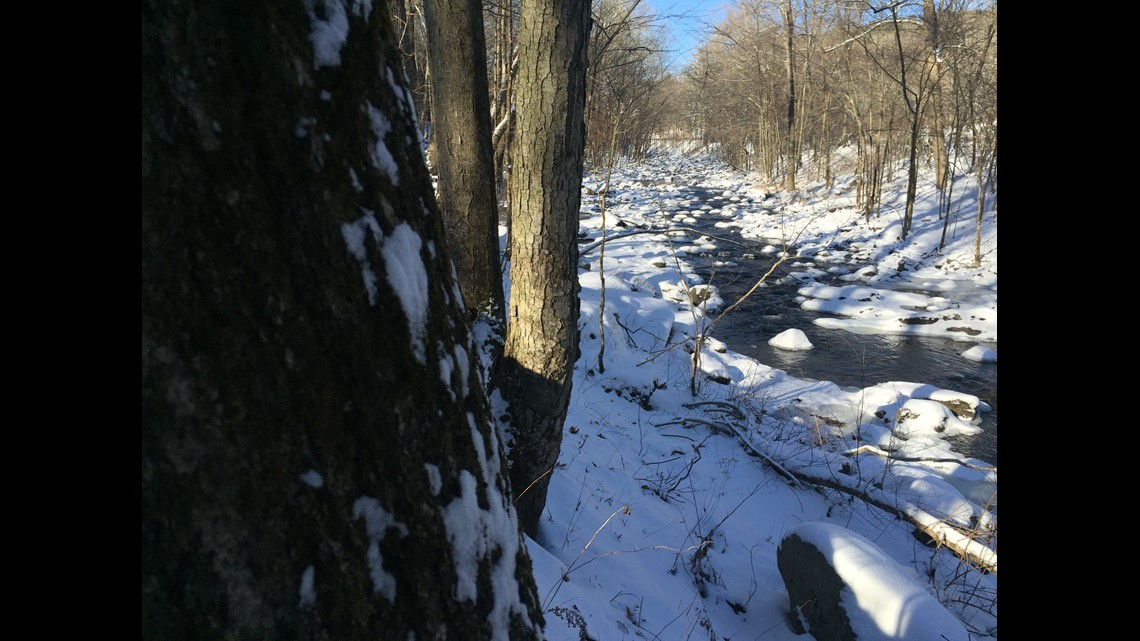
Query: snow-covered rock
980, 354
793, 340
842, 586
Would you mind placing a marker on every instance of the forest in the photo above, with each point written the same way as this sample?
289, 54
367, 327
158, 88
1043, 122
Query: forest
338, 395
904, 83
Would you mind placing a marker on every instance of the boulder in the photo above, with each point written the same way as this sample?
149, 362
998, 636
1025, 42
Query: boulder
842, 587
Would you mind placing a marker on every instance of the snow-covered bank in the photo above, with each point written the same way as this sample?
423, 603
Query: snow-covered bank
666, 509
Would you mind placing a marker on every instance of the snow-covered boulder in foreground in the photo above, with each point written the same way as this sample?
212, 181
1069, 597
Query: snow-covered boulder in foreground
793, 340
842, 586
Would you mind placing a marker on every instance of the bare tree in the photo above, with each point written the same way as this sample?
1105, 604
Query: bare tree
626, 69
792, 148
318, 457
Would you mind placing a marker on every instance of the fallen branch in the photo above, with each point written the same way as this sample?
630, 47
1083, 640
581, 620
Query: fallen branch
779, 469
871, 449
688, 423
958, 542
721, 406
730, 430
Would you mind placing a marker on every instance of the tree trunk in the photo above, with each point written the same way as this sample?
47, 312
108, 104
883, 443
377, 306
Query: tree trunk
941, 154
503, 114
914, 113
791, 146
911, 177
457, 52
318, 457
545, 185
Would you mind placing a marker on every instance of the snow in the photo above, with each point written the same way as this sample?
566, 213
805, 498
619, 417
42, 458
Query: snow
464, 364
328, 34
446, 367
362, 8
462, 518
981, 354
404, 96
477, 534
694, 555
405, 272
382, 158
792, 340
377, 522
308, 595
408, 278
313, 479
434, 478
304, 124
354, 236
329, 30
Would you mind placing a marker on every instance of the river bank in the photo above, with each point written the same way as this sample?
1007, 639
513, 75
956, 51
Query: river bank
685, 460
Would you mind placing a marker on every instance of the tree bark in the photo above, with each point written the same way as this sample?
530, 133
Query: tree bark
318, 459
457, 52
545, 185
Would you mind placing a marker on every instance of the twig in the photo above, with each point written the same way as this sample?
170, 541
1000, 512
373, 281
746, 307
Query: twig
625, 509
688, 423
718, 405
540, 477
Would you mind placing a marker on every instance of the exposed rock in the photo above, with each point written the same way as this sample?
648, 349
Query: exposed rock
841, 586
970, 331
814, 590
919, 320
698, 294
961, 408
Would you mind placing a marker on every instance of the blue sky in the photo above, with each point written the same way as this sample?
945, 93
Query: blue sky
686, 22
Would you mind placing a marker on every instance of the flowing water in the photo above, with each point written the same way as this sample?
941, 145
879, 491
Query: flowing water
847, 359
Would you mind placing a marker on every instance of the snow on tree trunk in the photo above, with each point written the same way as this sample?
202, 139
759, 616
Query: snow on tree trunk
317, 454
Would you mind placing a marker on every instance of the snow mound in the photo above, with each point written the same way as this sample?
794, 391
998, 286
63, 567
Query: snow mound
980, 354
793, 340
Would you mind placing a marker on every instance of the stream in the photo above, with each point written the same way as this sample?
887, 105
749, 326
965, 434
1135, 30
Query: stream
844, 358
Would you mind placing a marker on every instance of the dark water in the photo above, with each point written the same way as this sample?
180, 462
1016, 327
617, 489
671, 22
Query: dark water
847, 359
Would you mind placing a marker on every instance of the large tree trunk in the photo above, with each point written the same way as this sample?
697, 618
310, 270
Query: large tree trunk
546, 179
462, 115
318, 459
